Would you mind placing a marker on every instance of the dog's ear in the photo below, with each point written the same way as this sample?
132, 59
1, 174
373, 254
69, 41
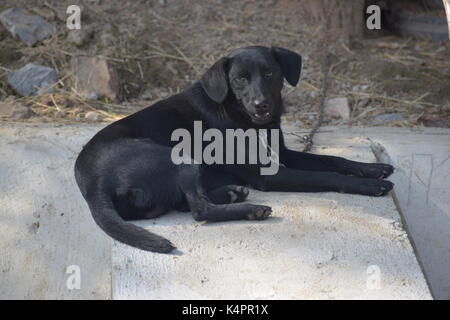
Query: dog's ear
290, 62
215, 80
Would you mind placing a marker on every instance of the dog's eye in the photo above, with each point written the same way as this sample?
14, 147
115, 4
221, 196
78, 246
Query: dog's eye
241, 79
268, 74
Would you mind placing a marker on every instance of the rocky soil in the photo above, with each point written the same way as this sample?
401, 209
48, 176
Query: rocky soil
129, 54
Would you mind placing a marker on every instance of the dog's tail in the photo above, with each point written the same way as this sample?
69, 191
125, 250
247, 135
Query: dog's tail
107, 218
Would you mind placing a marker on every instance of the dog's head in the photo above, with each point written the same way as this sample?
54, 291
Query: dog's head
253, 77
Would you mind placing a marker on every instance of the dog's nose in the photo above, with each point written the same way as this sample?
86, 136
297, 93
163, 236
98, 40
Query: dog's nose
261, 106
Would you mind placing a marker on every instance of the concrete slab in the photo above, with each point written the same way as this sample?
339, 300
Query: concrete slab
45, 227
323, 245
316, 246
422, 194
422, 188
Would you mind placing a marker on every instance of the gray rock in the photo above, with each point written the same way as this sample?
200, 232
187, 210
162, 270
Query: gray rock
12, 109
95, 78
337, 107
21, 113
92, 116
33, 79
362, 104
388, 118
29, 28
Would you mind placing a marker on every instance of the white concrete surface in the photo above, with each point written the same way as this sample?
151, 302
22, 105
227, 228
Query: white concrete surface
421, 157
423, 195
44, 223
323, 245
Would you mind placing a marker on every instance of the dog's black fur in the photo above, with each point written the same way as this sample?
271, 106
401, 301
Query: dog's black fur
125, 171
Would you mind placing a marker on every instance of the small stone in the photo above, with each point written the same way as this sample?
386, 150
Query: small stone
95, 77
13, 110
92, 96
147, 95
360, 88
22, 113
33, 79
28, 28
79, 37
313, 94
92, 116
338, 108
388, 118
363, 103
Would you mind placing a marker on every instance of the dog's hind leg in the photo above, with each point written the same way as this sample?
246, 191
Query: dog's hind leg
222, 195
203, 208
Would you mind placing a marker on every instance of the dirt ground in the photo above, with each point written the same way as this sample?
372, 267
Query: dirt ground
160, 47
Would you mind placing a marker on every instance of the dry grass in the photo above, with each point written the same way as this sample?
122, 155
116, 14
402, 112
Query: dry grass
159, 50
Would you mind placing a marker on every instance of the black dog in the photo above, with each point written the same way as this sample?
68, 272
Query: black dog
125, 172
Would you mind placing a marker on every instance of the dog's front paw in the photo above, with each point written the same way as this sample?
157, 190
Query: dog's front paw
373, 187
374, 170
258, 212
